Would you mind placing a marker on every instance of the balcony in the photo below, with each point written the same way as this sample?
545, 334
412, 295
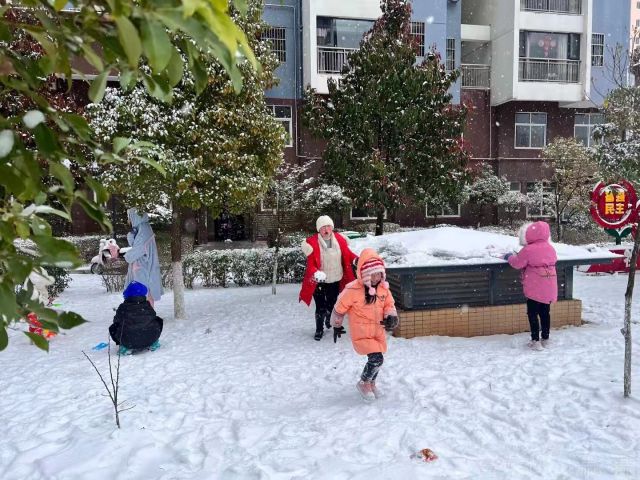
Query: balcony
571, 7
475, 76
549, 70
332, 59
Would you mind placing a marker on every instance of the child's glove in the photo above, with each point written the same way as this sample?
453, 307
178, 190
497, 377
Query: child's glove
319, 276
507, 255
337, 333
390, 322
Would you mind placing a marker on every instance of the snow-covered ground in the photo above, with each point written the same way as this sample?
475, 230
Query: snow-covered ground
241, 391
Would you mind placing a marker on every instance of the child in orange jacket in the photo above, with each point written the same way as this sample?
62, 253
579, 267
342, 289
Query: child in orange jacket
371, 309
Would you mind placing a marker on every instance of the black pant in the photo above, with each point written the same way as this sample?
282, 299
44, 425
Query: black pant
535, 310
325, 297
371, 369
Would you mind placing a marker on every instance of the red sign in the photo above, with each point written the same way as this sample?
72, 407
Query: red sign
614, 205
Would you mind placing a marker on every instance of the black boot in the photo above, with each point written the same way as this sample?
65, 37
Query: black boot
318, 335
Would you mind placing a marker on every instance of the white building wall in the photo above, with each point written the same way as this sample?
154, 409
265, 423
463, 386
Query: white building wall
361, 9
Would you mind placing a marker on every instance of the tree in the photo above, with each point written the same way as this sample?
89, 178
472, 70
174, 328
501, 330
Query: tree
485, 189
219, 149
512, 202
394, 139
37, 146
573, 172
618, 155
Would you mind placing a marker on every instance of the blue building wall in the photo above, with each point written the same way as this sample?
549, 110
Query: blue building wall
286, 13
612, 18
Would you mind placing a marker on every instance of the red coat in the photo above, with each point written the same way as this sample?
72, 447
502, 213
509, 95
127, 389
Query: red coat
314, 264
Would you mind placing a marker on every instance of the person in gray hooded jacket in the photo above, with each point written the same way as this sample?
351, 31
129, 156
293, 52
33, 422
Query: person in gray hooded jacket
144, 264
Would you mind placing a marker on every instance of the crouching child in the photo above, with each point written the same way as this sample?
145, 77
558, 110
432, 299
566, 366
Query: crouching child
136, 325
371, 309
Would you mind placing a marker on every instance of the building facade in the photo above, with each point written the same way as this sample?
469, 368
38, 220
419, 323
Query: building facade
532, 70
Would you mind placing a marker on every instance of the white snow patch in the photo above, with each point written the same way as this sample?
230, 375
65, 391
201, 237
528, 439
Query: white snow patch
6, 142
33, 118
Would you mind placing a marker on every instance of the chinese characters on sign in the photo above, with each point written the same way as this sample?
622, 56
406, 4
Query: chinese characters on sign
614, 206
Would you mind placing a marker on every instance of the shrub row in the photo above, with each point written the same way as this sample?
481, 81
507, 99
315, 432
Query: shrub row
221, 268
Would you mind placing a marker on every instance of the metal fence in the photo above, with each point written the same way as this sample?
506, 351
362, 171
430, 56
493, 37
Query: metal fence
573, 7
475, 76
549, 70
332, 59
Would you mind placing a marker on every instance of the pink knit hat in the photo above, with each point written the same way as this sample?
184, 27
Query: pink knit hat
368, 268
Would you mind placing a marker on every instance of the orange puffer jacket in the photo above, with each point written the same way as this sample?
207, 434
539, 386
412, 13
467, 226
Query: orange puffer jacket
367, 334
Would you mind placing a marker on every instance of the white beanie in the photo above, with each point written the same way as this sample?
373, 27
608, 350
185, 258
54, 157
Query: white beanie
322, 221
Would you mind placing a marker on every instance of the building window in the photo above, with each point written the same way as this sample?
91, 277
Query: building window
638, 5
417, 34
283, 115
451, 210
584, 125
540, 197
514, 186
451, 54
276, 38
341, 32
597, 49
363, 213
531, 130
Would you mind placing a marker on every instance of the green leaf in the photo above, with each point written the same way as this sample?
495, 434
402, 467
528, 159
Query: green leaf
69, 320
175, 68
20, 267
127, 79
8, 305
129, 40
59, 253
93, 211
59, 4
63, 174
92, 57
46, 141
241, 6
119, 143
38, 340
79, 125
156, 43
101, 193
4, 338
39, 226
99, 84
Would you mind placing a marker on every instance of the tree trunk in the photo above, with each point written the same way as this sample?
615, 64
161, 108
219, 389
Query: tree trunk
176, 264
626, 331
558, 228
379, 222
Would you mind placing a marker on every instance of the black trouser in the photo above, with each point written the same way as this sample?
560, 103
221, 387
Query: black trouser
325, 297
372, 367
534, 310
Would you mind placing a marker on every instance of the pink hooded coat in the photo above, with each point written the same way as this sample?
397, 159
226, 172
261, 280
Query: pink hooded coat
537, 260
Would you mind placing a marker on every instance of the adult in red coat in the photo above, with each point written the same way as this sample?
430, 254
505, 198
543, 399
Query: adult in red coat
329, 261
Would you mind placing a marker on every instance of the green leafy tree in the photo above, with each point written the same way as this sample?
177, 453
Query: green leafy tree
40, 141
485, 190
573, 171
394, 138
618, 156
218, 148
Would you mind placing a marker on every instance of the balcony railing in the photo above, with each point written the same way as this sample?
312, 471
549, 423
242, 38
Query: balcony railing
332, 59
573, 7
548, 70
475, 76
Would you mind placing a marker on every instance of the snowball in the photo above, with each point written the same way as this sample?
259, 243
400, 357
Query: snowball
6, 142
33, 118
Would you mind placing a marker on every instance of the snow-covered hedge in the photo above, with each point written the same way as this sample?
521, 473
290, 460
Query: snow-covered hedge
221, 268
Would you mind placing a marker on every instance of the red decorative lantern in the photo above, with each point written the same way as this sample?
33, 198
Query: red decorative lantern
615, 205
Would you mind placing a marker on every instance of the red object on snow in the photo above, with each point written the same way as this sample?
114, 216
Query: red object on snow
36, 327
617, 265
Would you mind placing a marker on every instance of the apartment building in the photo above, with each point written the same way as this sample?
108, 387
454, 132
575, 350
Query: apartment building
532, 70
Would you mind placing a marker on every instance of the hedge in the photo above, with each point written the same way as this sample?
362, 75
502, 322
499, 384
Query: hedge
221, 268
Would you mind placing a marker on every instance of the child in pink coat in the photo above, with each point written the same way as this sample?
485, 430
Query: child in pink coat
537, 260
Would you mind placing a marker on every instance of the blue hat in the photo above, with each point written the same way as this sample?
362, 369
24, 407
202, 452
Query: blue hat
135, 289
